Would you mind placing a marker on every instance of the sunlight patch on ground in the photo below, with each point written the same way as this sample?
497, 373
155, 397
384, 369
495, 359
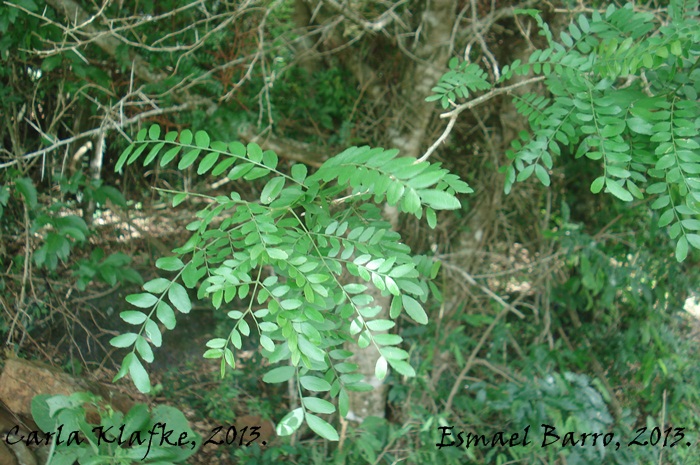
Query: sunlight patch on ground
692, 306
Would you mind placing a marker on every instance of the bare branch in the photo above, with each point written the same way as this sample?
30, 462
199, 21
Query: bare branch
107, 42
375, 26
452, 115
98, 130
470, 280
440, 140
489, 95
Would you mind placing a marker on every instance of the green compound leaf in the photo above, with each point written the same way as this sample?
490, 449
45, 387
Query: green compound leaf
123, 340
133, 317
186, 137
314, 383
272, 190
439, 200
154, 132
617, 190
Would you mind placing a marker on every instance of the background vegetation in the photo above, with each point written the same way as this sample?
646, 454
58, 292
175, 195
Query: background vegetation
560, 297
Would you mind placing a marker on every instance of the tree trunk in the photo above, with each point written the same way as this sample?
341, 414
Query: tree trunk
411, 116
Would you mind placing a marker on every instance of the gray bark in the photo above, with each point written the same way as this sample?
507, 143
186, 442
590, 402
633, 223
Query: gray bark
411, 116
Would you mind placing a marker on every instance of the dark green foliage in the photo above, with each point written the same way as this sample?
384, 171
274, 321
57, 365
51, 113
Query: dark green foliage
119, 439
325, 97
59, 232
113, 269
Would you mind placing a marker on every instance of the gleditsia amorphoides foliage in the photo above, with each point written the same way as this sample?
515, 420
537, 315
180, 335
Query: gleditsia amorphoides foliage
284, 254
623, 91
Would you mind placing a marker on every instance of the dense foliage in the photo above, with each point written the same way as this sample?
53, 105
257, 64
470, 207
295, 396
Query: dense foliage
619, 90
551, 305
116, 438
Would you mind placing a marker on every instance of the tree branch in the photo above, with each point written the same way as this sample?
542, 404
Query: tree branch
452, 115
107, 42
98, 130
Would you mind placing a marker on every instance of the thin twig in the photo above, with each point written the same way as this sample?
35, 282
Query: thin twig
92, 132
472, 358
484, 289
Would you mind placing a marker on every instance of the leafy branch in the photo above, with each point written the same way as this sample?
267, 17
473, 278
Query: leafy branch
287, 252
621, 90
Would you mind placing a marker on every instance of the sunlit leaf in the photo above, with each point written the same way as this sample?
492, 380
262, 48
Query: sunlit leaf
321, 427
